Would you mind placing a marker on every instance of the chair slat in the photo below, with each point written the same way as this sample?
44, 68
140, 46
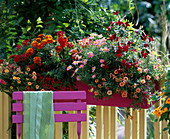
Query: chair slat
70, 117
17, 107
57, 106
17, 119
69, 106
57, 95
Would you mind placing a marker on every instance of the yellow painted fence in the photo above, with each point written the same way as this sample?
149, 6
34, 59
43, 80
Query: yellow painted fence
106, 124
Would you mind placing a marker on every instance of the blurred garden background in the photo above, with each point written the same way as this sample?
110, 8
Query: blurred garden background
24, 19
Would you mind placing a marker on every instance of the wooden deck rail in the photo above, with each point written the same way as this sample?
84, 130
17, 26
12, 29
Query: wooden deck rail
106, 124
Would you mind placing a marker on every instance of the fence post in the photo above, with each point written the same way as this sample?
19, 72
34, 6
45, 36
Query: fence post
113, 122
1, 115
99, 122
128, 126
107, 122
85, 126
135, 125
143, 122
157, 125
165, 133
58, 132
72, 128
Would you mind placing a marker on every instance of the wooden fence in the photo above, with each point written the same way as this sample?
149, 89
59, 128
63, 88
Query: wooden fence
106, 124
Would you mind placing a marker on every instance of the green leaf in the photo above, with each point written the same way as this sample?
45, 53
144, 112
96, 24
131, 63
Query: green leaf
66, 24
52, 27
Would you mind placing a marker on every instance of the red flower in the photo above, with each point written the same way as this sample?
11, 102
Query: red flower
18, 47
63, 42
134, 50
145, 37
119, 50
125, 48
113, 37
118, 55
144, 54
109, 28
123, 62
111, 23
127, 24
146, 45
1, 61
17, 58
129, 65
116, 13
58, 48
151, 39
129, 43
120, 23
60, 33
12, 56
25, 42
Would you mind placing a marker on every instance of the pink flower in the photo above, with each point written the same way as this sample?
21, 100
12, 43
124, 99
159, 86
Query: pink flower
157, 77
69, 67
93, 69
75, 62
94, 76
148, 77
155, 67
102, 65
140, 61
143, 81
78, 78
2, 82
101, 60
85, 61
145, 70
76, 70
81, 66
159, 60
90, 54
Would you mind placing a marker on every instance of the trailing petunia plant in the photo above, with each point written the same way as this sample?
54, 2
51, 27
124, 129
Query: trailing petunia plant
38, 65
163, 111
119, 61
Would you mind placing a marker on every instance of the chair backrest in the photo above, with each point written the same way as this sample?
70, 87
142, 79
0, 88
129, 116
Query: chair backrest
63, 101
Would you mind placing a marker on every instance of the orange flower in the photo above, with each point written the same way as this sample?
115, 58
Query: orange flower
140, 69
29, 83
132, 117
125, 78
162, 93
28, 69
40, 45
99, 86
169, 116
34, 43
91, 90
111, 75
143, 81
11, 87
42, 90
18, 81
124, 94
164, 110
58, 48
38, 39
103, 79
167, 101
137, 90
44, 42
37, 86
97, 80
34, 77
41, 36
49, 38
120, 79
109, 92
116, 72
117, 89
29, 52
37, 59
122, 84
96, 93
148, 77
14, 77
34, 73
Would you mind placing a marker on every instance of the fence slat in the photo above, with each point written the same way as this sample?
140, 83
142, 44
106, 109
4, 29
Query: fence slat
6, 112
72, 128
135, 125
143, 124
157, 125
128, 126
85, 126
113, 122
58, 132
107, 122
1, 115
99, 122
165, 133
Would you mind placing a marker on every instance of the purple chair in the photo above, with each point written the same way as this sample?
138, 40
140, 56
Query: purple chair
63, 101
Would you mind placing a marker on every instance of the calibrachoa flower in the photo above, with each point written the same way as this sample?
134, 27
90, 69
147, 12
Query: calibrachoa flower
94, 76
69, 67
90, 54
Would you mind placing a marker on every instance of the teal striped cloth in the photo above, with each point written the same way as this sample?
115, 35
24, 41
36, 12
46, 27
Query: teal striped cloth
38, 115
